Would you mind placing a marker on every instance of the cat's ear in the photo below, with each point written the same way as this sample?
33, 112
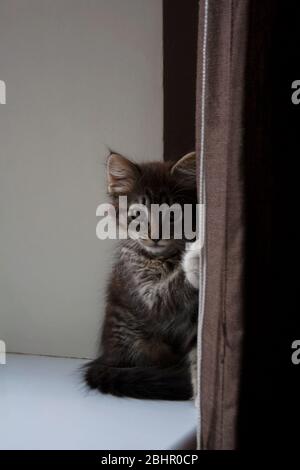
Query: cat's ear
121, 174
185, 169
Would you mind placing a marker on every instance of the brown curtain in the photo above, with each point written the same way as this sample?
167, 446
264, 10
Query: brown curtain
219, 125
247, 138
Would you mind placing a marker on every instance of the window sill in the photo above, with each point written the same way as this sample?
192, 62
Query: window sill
44, 405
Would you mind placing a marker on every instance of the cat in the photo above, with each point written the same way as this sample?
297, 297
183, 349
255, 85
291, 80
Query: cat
150, 327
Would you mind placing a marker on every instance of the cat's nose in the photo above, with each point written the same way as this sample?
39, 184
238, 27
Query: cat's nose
155, 241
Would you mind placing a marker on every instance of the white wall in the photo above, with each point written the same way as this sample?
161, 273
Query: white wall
80, 75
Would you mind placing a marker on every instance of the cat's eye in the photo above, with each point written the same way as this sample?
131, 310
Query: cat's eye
133, 214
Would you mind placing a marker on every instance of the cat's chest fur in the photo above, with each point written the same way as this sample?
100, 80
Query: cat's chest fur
149, 269
155, 270
150, 276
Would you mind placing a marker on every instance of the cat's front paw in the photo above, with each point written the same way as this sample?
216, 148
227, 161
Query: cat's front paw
191, 263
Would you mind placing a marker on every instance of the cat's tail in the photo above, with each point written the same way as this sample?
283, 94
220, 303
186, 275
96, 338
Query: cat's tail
160, 383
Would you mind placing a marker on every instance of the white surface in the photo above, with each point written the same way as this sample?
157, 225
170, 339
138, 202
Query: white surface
45, 406
80, 75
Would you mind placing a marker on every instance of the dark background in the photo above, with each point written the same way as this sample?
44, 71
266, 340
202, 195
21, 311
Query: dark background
180, 27
270, 393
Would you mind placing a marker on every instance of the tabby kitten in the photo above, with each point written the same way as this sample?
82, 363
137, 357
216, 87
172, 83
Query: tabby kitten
152, 296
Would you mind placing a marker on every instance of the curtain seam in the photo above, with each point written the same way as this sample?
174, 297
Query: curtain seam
225, 260
202, 198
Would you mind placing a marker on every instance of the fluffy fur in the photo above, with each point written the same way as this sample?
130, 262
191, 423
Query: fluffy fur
152, 295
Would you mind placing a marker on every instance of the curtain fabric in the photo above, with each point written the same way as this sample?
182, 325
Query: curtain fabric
222, 42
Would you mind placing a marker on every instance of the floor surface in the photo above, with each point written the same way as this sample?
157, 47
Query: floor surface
43, 405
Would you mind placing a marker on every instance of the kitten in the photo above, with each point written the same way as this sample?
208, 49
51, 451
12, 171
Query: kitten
150, 325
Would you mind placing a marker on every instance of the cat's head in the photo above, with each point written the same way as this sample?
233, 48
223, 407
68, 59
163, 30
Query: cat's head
159, 183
